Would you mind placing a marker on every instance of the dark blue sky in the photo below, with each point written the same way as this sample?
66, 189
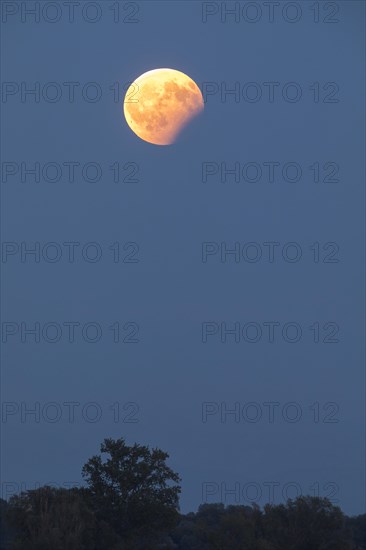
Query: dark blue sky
170, 293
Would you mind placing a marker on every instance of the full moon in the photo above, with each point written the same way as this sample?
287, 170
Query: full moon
160, 103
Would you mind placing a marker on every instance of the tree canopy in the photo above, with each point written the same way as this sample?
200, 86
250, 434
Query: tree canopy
132, 489
131, 502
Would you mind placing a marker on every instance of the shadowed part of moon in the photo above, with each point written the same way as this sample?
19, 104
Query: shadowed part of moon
160, 103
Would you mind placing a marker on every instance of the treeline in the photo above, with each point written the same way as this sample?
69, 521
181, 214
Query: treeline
131, 502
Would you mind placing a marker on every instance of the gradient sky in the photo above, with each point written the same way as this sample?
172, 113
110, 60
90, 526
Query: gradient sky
169, 212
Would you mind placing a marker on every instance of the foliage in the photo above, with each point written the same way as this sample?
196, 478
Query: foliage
306, 523
51, 518
131, 502
133, 490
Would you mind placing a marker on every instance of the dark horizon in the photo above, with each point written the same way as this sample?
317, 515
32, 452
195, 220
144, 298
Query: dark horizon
131, 501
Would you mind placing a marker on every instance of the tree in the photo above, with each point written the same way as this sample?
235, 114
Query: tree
6, 533
306, 523
131, 503
47, 518
357, 528
133, 490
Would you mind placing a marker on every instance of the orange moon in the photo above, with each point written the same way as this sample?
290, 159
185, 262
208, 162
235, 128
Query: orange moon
160, 103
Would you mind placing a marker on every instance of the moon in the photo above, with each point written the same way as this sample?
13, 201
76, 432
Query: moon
160, 103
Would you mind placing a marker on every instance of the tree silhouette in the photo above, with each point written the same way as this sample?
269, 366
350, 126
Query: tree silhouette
133, 489
130, 502
48, 518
